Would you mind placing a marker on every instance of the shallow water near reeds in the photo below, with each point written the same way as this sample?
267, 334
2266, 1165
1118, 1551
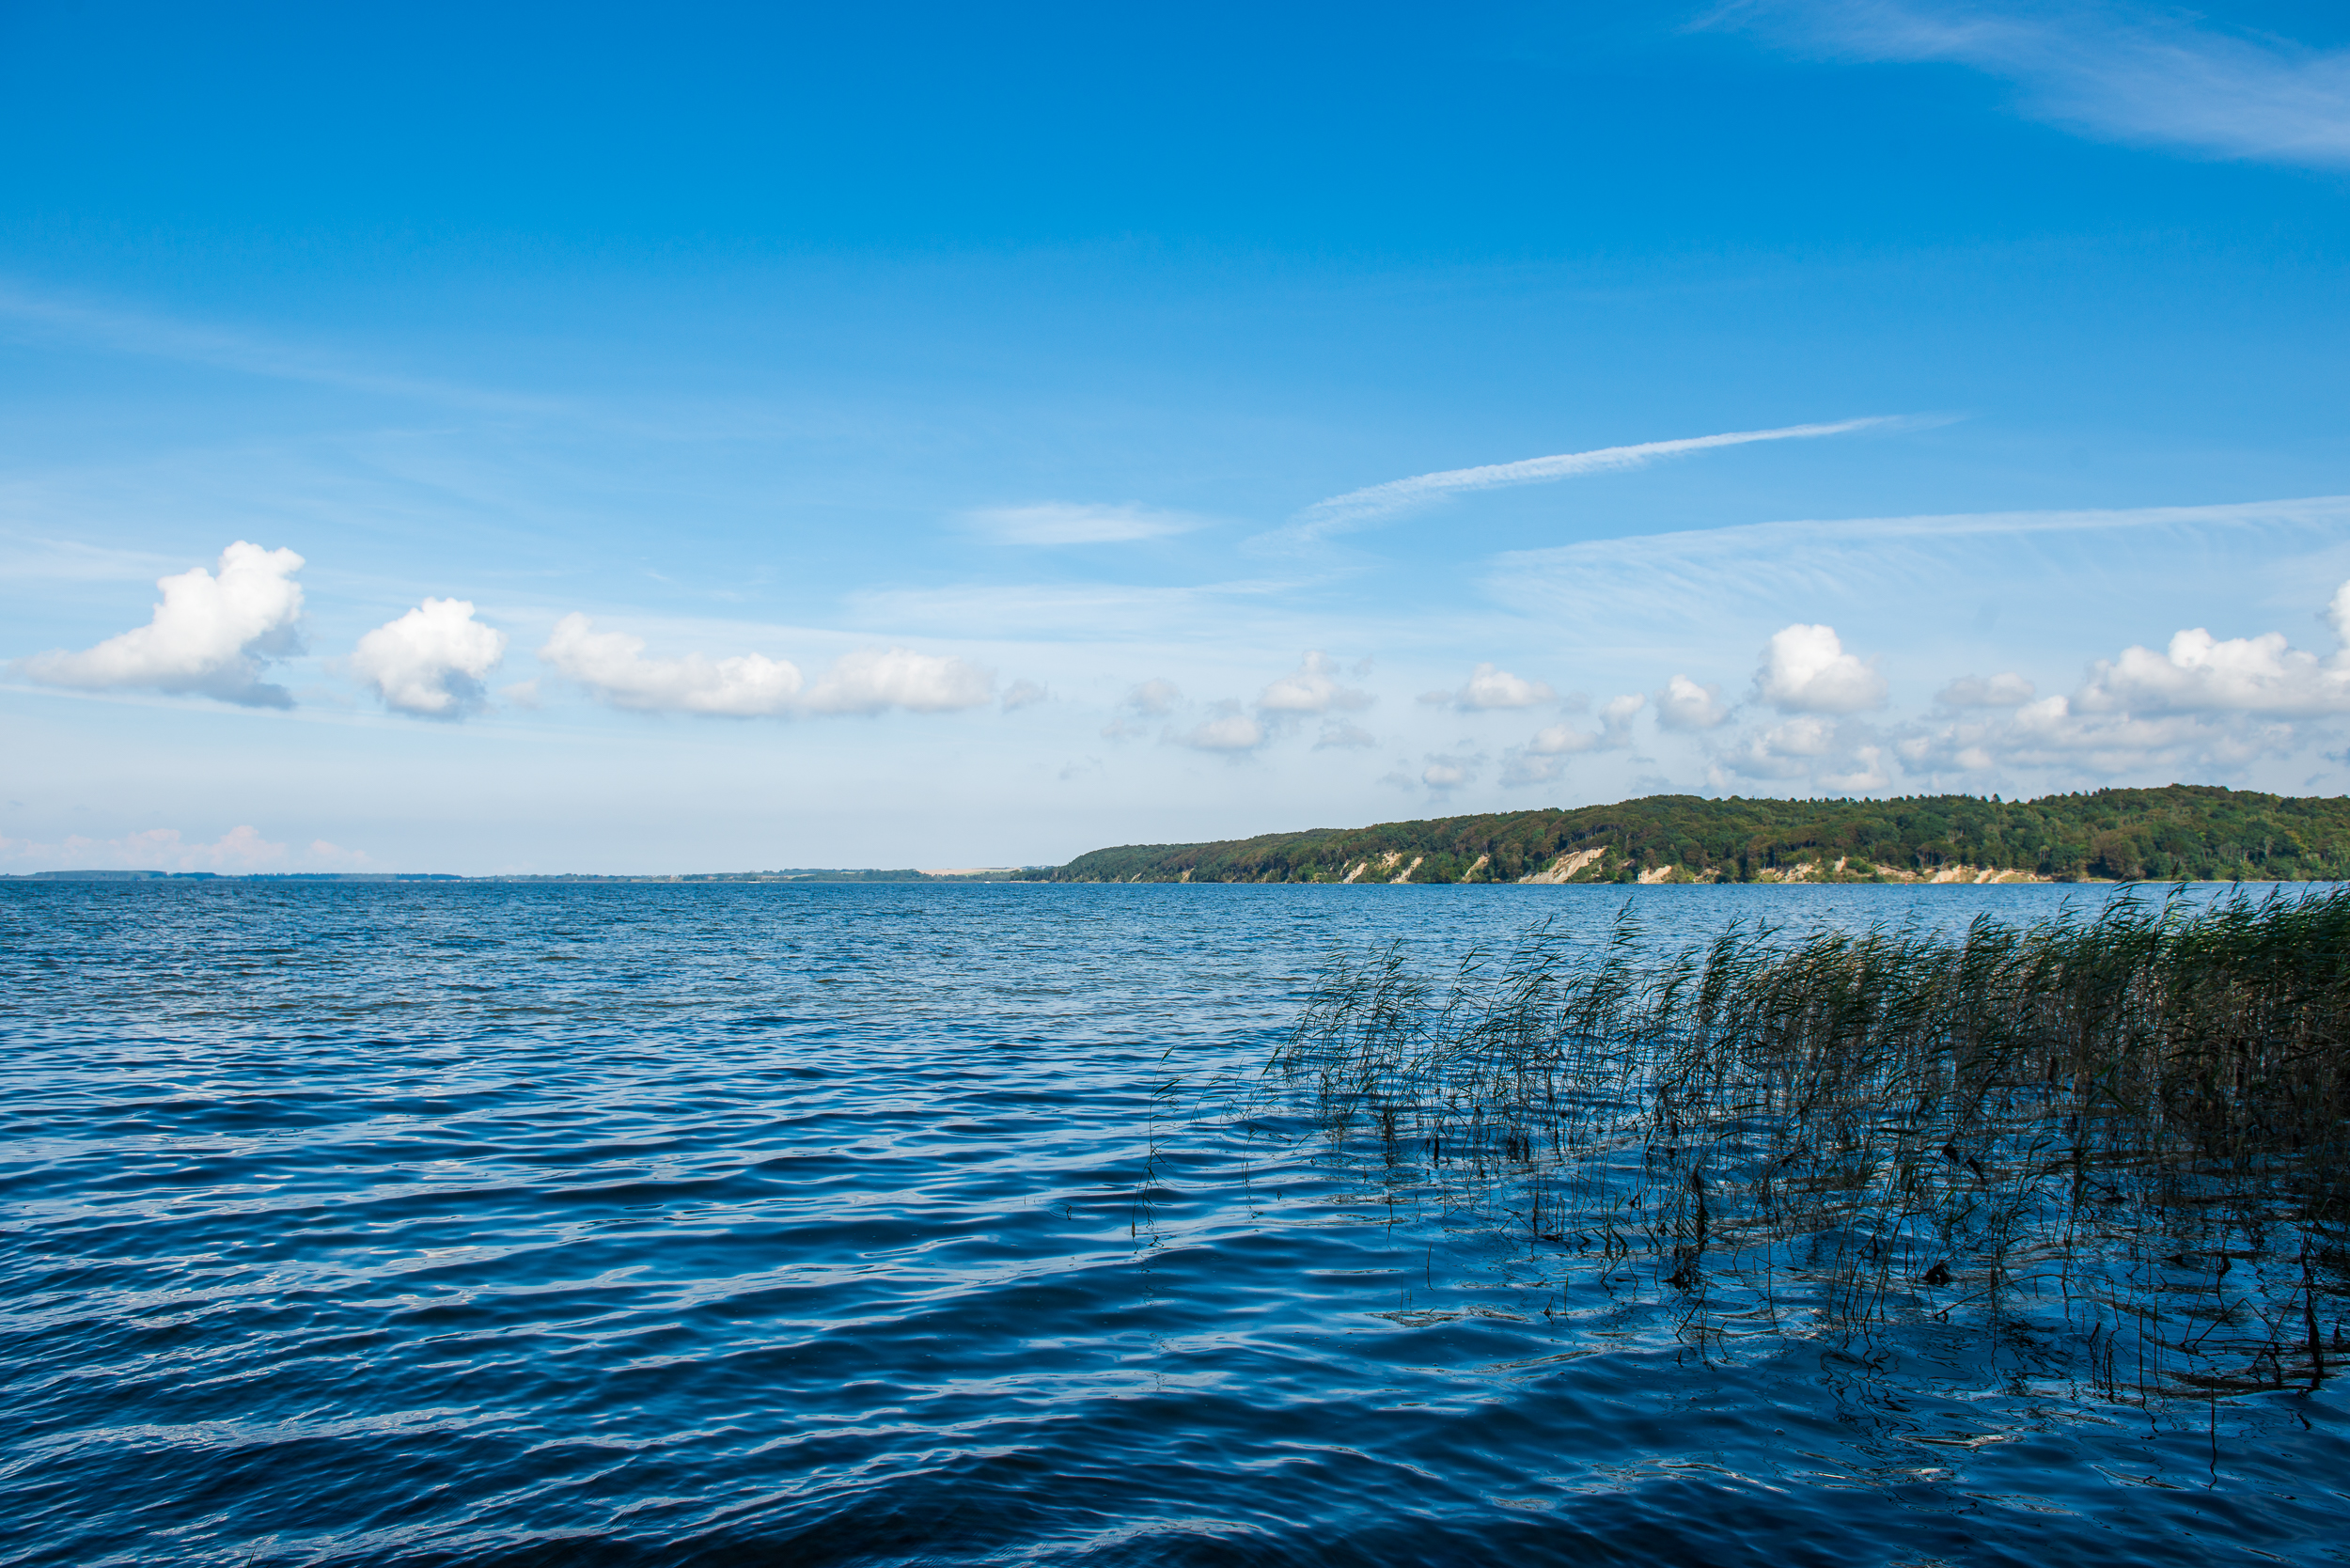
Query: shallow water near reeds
504, 1224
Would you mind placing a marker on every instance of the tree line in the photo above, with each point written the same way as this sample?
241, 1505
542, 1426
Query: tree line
2183, 832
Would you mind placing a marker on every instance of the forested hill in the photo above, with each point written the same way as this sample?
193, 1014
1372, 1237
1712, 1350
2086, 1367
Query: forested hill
2184, 832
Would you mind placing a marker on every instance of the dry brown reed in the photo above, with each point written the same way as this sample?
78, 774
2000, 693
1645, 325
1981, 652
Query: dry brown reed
2120, 1107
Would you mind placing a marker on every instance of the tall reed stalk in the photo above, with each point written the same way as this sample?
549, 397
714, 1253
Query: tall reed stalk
2127, 1101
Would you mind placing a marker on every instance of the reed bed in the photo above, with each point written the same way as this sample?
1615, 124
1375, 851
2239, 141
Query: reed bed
2141, 1116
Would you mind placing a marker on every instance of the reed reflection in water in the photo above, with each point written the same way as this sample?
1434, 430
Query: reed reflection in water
2118, 1143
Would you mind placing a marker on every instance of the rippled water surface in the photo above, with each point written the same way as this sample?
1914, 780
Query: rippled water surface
644, 1224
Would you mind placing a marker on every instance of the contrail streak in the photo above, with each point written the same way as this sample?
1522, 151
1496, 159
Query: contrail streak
1358, 507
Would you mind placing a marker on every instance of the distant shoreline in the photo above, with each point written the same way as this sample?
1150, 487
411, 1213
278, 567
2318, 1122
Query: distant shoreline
837, 879
2179, 833
1006, 874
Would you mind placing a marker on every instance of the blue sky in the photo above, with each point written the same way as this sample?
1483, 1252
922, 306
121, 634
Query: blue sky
731, 438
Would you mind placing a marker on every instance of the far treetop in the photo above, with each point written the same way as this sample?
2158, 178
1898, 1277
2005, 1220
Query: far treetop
2183, 833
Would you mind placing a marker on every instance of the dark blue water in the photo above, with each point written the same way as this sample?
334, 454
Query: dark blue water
502, 1224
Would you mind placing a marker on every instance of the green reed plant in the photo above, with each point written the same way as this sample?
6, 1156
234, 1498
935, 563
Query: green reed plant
1912, 1117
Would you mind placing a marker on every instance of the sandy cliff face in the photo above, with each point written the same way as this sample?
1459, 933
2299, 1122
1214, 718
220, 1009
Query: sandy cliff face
1566, 866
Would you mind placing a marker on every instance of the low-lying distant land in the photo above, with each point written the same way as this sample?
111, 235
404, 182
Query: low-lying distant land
2179, 833
1006, 874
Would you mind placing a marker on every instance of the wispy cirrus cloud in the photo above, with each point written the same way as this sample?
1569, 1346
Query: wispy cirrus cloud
1372, 504
1654, 579
31, 313
2130, 73
1075, 611
1051, 523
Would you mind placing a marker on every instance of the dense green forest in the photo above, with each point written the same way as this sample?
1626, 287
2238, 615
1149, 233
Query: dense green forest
2183, 832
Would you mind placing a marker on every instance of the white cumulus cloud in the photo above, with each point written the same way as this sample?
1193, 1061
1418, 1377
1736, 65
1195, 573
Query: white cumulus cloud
1542, 759
2052, 735
1489, 687
1616, 716
1867, 773
1312, 688
2338, 615
212, 634
1684, 704
2204, 703
2201, 673
1438, 772
1519, 768
1805, 669
1808, 749
612, 665
1228, 729
1615, 731
1154, 698
2006, 690
1446, 771
874, 680
1561, 740
430, 662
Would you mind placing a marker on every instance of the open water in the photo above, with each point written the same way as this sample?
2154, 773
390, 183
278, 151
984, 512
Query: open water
674, 1224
